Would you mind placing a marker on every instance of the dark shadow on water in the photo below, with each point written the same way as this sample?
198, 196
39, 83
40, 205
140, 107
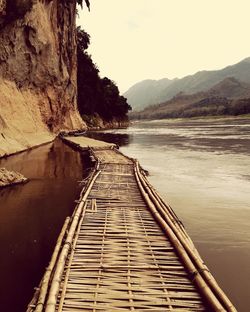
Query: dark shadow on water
31, 217
116, 138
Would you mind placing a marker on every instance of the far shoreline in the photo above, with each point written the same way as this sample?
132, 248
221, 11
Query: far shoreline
196, 118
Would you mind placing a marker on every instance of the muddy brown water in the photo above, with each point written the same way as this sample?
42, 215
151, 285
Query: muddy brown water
202, 169
31, 217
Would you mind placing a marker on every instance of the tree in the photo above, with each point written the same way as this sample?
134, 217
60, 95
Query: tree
83, 39
80, 2
96, 95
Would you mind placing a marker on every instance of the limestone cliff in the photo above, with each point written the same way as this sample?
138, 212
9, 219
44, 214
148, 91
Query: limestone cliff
37, 72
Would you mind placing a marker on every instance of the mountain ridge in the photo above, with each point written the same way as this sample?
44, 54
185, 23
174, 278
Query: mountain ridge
228, 97
145, 87
200, 81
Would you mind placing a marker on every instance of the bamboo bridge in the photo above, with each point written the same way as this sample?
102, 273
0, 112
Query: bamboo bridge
124, 249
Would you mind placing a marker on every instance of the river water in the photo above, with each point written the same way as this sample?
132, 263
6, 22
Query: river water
202, 169
31, 217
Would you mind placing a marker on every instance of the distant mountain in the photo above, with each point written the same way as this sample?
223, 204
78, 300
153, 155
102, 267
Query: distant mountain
231, 88
228, 97
144, 94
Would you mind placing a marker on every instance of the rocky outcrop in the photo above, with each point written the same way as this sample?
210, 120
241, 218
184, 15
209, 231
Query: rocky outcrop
95, 122
8, 178
37, 72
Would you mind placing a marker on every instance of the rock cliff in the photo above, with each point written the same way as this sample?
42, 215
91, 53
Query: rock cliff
38, 67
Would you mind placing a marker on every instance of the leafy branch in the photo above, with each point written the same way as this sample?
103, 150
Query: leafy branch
80, 2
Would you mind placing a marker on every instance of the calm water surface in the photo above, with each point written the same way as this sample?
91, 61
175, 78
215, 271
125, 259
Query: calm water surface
31, 217
202, 169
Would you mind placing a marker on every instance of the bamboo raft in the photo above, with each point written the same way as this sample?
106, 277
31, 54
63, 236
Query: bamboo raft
124, 249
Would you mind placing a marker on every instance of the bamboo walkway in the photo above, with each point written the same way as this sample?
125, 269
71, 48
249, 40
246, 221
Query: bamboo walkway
124, 249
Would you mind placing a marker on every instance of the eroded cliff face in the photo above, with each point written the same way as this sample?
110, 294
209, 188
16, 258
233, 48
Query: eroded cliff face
37, 72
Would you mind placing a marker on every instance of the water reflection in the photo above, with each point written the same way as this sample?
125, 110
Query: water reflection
31, 217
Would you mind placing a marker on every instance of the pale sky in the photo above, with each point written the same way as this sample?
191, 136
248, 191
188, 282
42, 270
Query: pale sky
133, 40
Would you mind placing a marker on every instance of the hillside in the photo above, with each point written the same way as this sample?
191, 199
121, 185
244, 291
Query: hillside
201, 81
228, 97
232, 88
146, 92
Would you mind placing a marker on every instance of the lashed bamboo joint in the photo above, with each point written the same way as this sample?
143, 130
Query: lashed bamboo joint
125, 250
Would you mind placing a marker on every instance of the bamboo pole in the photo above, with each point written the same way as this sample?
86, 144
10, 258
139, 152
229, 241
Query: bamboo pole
166, 207
171, 219
193, 253
47, 275
93, 205
197, 278
63, 292
55, 284
97, 161
32, 304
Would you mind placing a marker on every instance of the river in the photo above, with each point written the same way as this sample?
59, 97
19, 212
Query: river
31, 217
201, 168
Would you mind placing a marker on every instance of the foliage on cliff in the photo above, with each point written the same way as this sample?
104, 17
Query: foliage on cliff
13, 9
80, 2
96, 95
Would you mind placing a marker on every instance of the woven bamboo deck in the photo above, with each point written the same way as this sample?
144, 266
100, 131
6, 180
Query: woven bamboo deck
124, 249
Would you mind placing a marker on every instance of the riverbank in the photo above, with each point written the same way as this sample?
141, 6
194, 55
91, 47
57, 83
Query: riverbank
18, 143
198, 118
95, 122
8, 148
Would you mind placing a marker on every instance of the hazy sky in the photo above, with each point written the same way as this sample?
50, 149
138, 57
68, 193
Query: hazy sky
132, 40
